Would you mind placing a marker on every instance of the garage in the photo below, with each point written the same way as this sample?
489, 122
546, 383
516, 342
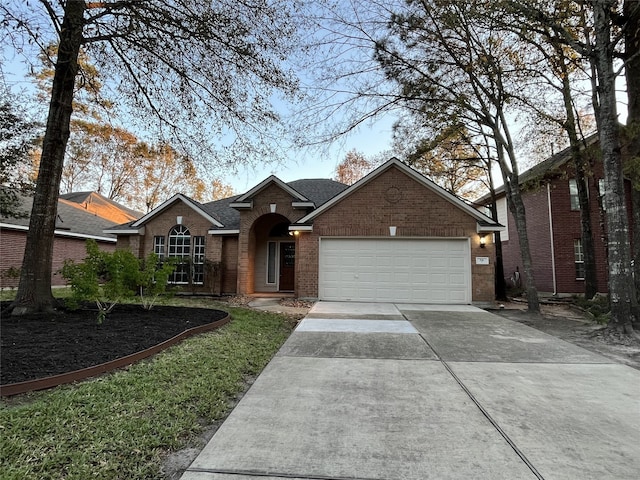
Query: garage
395, 270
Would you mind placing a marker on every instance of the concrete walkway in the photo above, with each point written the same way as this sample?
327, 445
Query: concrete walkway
381, 391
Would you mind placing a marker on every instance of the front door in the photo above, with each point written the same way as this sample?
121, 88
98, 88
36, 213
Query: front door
287, 266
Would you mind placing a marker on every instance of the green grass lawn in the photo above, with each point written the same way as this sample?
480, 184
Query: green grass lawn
122, 425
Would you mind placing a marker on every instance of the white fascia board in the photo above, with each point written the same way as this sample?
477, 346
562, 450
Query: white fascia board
11, 226
223, 232
251, 193
131, 231
242, 205
303, 204
490, 228
167, 203
60, 233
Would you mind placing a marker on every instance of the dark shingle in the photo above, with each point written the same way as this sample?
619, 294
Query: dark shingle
318, 190
71, 218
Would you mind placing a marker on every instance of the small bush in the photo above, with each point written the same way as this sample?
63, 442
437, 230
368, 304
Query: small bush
153, 279
598, 307
108, 278
105, 278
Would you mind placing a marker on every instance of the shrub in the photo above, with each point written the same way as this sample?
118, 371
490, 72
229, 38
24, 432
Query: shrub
153, 279
105, 278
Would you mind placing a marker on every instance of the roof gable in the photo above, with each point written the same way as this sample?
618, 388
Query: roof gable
552, 166
195, 206
245, 201
102, 206
72, 220
484, 222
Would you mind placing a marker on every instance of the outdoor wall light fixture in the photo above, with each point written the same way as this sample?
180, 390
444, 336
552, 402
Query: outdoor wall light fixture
483, 241
294, 233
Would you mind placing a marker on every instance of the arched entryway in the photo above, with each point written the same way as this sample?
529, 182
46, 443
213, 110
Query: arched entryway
274, 254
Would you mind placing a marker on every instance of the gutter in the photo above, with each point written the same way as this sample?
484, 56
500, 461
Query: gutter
61, 233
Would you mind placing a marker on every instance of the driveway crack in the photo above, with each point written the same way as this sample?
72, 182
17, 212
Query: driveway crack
484, 412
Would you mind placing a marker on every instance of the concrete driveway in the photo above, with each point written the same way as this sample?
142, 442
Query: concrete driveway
382, 391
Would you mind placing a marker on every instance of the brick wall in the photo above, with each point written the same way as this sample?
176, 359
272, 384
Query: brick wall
537, 213
271, 194
566, 229
229, 265
393, 199
161, 224
12, 244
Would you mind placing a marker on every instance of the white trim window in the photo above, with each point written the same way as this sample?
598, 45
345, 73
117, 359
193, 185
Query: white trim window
573, 195
198, 260
578, 256
159, 247
180, 248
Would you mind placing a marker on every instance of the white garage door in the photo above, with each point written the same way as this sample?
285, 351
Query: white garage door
395, 270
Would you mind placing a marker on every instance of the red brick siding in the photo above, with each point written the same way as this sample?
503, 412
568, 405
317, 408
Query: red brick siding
229, 265
12, 244
369, 211
566, 229
161, 224
11, 252
537, 213
247, 238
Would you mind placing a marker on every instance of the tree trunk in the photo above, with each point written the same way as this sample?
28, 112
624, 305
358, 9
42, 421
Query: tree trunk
621, 291
516, 206
34, 291
632, 72
500, 284
588, 245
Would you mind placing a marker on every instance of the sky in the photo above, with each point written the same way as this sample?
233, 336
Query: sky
370, 139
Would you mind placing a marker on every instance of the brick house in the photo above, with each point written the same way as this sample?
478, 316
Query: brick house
80, 216
553, 222
392, 236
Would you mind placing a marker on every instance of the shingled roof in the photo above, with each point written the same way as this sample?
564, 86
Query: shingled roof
72, 220
102, 206
317, 190
549, 167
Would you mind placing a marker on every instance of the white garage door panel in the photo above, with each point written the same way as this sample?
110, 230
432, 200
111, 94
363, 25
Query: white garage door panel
395, 270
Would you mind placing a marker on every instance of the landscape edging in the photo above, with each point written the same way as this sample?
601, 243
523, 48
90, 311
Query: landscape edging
11, 389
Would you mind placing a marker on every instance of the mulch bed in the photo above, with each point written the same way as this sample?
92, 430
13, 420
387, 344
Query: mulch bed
38, 346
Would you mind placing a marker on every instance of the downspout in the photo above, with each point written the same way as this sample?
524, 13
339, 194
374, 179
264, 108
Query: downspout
553, 254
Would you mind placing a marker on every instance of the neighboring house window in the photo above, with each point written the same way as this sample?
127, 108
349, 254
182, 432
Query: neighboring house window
602, 191
158, 247
573, 194
578, 255
271, 262
180, 248
198, 260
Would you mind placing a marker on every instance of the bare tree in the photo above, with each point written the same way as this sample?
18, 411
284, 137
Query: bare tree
201, 70
447, 157
450, 63
352, 168
17, 139
554, 100
602, 47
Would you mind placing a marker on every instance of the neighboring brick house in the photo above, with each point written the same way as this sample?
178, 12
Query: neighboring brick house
80, 217
553, 224
392, 236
